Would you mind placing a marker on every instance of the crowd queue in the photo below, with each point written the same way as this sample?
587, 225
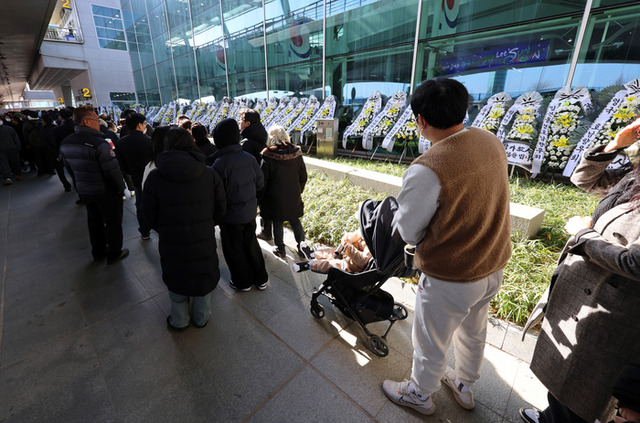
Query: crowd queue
453, 205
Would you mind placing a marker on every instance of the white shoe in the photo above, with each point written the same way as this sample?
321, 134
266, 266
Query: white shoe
404, 394
529, 415
462, 396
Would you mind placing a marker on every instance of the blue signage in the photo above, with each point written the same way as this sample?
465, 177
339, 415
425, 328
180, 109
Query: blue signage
519, 54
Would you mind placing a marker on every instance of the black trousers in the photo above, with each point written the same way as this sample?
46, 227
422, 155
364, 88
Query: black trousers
243, 254
104, 216
557, 412
59, 168
143, 227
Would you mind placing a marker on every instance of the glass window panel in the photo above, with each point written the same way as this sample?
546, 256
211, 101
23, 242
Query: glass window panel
210, 61
114, 45
474, 15
150, 78
305, 78
168, 94
249, 83
610, 53
185, 68
165, 74
378, 24
178, 12
108, 22
206, 23
215, 88
294, 37
105, 11
515, 60
352, 78
188, 92
181, 41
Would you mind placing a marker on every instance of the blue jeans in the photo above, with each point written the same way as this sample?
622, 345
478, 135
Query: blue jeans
200, 310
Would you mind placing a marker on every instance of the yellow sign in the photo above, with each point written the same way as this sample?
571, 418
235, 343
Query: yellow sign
60, 100
86, 93
65, 4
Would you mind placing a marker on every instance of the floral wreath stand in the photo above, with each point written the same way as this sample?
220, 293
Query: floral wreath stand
404, 132
310, 130
376, 132
355, 131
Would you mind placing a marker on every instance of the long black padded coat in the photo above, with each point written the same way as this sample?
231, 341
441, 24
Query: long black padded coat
285, 176
182, 201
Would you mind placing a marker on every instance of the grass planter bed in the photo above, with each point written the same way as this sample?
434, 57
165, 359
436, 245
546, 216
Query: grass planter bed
331, 206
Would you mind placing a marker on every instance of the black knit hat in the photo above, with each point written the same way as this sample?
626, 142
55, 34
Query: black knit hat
226, 133
627, 388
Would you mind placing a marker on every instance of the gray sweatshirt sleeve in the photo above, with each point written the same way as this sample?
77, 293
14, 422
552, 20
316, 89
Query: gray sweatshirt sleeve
418, 201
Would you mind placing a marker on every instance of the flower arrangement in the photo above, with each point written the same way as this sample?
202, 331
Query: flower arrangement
559, 143
293, 115
492, 121
386, 123
306, 115
268, 111
365, 117
623, 115
409, 130
524, 127
326, 111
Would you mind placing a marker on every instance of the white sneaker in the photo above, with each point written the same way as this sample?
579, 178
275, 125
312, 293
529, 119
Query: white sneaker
463, 396
404, 394
529, 415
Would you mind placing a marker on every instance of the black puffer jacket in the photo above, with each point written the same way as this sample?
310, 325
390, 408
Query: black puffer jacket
284, 178
134, 153
254, 140
182, 200
91, 162
242, 180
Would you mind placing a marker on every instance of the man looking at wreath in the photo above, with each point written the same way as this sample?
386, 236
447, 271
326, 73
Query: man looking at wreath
96, 175
454, 206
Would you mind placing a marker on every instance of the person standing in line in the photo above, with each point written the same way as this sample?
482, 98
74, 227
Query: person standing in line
454, 206
254, 140
284, 178
93, 165
242, 180
9, 154
183, 199
199, 133
52, 150
134, 153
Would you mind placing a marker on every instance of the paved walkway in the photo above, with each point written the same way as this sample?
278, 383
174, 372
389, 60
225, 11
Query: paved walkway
84, 342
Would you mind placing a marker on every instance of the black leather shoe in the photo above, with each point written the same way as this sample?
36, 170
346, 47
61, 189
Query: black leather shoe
530, 415
123, 254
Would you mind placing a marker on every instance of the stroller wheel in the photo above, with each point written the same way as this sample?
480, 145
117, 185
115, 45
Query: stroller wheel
399, 312
317, 311
378, 346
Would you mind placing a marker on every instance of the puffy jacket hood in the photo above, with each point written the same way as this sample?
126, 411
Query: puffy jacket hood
255, 132
282, 152
181, 166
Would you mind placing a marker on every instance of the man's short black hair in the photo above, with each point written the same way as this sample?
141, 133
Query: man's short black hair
127, 113
442, 102
251, 116
134, 119
46, 118
66, 113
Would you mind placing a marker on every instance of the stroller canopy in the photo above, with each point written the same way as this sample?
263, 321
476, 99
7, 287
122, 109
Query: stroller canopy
381, 236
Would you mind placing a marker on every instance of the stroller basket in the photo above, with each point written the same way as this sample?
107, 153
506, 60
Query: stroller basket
359, 296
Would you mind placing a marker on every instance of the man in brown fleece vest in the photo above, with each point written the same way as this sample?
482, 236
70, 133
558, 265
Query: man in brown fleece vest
454, 206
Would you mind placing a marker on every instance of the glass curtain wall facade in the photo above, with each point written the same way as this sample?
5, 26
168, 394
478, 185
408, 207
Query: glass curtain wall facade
204, 49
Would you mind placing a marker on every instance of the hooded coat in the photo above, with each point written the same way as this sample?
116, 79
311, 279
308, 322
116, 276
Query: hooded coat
254, 140
182, 201
240, 174
285, 176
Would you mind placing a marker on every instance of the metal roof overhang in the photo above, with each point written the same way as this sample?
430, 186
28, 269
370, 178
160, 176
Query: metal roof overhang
23, 25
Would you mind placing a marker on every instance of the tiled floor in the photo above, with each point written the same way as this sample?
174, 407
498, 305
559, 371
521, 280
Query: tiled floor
85, 342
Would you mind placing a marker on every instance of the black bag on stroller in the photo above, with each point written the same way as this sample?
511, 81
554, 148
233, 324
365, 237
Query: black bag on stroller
359, 296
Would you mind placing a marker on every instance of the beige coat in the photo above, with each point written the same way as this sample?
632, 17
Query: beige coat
591, 325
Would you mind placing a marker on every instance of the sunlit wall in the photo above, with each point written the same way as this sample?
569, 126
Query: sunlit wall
205, 49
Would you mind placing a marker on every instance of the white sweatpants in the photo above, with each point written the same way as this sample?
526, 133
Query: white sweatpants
447, 311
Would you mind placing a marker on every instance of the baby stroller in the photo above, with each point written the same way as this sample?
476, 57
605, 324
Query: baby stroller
359, 296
